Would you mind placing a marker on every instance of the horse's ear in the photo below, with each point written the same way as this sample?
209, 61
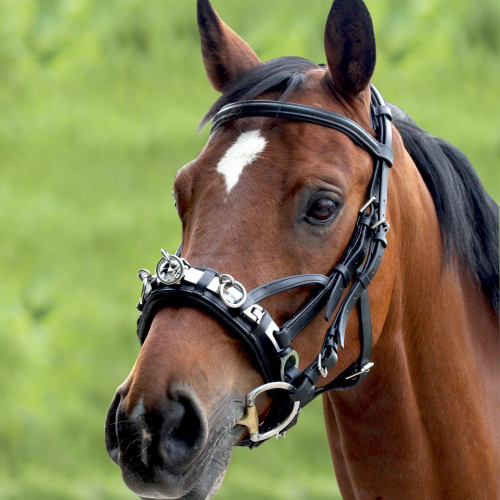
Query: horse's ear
225, 55
350, 47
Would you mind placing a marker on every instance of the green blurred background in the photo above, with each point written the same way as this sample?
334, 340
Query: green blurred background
100, 102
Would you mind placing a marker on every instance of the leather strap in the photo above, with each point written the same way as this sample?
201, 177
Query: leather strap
303, 113
283, 285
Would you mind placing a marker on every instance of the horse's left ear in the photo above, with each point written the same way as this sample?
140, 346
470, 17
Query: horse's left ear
225, 55
350, 47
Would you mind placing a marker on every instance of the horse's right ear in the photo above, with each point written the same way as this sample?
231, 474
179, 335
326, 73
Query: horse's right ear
225, 55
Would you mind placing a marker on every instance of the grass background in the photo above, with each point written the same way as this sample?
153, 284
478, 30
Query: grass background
99, 106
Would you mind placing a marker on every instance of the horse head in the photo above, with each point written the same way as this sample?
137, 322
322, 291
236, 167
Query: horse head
267, 198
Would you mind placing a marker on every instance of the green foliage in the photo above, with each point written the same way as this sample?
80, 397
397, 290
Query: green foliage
99, 108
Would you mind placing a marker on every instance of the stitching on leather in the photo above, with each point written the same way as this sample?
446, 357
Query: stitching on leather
264, 290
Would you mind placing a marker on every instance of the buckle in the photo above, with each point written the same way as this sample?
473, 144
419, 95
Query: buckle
364, 369
254, 313
372, 200
146, 278
322, 369
385, 225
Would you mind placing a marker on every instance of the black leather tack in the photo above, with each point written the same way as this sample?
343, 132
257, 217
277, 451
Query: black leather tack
285, 352
333, 300
329, 360
365, 221
302, 113
205, 280
362, 258
305, 391
282, 338
261, 328
282, 285
382, 110
346, 275
291, 373
365, 329
363, 279
380, 237
387, 154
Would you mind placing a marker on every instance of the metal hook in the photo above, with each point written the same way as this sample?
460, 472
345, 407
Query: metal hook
322, 370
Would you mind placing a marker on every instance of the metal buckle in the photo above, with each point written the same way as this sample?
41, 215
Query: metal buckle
373, 199
254, 313
250, 418
385, 225
225, 283
170, 269
322, 369
364, 369
146, 277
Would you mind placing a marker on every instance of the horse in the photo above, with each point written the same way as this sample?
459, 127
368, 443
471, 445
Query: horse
302, 186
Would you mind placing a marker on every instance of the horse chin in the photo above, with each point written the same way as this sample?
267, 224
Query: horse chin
203, 479
209, 484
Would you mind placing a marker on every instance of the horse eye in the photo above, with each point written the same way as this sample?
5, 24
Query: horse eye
322, 209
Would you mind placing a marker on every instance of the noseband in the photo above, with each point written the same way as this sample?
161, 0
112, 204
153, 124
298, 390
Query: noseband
177, 283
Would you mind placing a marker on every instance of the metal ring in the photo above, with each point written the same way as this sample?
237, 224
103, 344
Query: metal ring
226, 281
226, 278
176, 269
251, 418
284, 361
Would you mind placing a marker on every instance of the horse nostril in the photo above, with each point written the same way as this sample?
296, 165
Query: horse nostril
110, 430
185, 430
169, 434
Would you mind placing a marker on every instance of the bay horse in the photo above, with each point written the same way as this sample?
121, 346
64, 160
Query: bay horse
293, 193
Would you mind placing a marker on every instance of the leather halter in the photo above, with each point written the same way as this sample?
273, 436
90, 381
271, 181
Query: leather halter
177, 283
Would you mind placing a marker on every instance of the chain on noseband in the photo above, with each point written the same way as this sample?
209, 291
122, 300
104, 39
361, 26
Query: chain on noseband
177, 283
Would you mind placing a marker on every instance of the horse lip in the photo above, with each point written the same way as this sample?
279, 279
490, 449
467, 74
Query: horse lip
110, 431
204, 487
207, 471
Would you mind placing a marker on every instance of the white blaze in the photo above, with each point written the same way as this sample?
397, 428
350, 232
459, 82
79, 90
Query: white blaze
243, 152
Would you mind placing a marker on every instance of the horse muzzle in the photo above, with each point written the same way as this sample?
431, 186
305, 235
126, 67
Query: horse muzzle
167, 450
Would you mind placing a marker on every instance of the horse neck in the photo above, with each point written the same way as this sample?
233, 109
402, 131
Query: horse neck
427, 390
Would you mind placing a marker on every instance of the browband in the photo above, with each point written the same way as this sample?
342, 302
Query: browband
309, 114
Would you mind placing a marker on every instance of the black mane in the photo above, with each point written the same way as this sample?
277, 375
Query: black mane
467, 215
283, 75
